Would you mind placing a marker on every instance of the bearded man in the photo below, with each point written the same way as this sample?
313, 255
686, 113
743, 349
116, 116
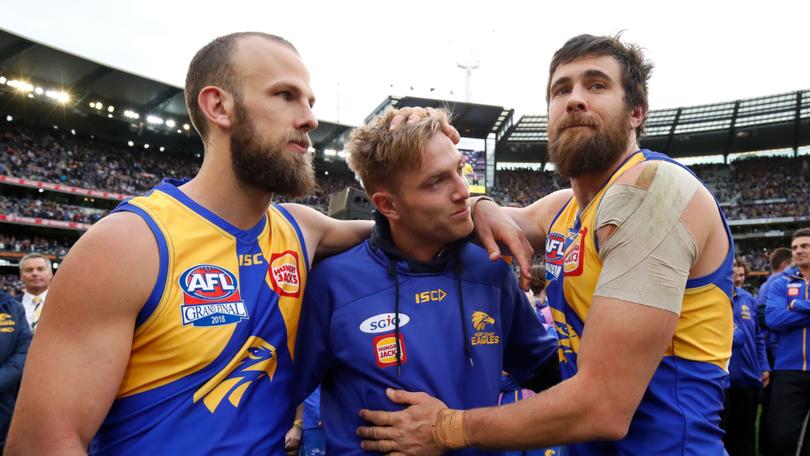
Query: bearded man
639, 268
171, 324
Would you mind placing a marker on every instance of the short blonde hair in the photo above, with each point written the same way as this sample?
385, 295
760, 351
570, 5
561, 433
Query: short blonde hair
378, 155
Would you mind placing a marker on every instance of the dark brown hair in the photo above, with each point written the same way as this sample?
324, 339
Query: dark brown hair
636, 69
212, 66
779, 256
801, 232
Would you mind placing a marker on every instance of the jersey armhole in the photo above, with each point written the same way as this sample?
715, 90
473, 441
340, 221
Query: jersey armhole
163, 251
298, 232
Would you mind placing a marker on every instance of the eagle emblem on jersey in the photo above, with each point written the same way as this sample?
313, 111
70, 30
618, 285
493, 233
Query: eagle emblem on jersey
480, 320
568, 338
252, 363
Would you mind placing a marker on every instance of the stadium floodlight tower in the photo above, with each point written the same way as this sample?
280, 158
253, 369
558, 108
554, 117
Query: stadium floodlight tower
468, 62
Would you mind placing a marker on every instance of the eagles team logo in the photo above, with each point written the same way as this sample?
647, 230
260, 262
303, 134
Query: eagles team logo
567, 337
284, 274
555, 251
480, 321
255, 361
211, 297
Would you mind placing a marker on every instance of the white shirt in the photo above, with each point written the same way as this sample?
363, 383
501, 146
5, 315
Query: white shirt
28, 304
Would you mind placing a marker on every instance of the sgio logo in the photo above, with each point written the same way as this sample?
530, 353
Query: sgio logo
428, 296
383, 322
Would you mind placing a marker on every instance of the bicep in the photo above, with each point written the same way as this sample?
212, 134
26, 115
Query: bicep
76, 362
326, 236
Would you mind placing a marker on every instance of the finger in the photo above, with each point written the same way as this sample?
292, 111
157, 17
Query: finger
415, 117
405, 397
381, 446
488, 242
397, 121
380, 418
375, 432
525, 284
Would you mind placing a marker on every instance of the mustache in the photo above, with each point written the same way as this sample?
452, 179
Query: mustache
302, 139
577, 119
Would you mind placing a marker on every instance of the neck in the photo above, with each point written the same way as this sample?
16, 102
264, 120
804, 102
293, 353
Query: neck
586, 187
217, 188
36, 292
417, 249
805, 270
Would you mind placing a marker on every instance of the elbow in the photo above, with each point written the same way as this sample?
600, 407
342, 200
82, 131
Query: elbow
612, 424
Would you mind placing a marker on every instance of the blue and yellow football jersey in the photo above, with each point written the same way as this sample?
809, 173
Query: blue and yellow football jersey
680, 411
210, 366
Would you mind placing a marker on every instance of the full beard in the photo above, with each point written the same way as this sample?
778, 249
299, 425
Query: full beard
579, 152
267, 166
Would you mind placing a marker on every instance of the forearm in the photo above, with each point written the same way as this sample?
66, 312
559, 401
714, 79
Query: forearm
781, 318
566, 413
40, 440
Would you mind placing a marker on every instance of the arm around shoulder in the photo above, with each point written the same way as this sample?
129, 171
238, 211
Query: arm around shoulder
76, 362
324, 235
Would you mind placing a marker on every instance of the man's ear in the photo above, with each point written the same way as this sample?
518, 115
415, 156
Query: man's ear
386, 204
216, 105
636, 116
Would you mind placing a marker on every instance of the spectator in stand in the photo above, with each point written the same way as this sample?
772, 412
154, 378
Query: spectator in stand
780, 260
787, 310
748, 371
15, 336
36, 274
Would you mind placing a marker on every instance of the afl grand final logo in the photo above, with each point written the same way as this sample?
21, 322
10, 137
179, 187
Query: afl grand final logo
211, 297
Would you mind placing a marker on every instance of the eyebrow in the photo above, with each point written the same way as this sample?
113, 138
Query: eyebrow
284, 85
589, 74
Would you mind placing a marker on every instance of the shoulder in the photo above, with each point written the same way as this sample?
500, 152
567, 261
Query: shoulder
642, 174
356, 266
479, 268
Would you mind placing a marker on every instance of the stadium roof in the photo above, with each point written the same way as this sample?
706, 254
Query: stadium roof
160, 107
472, 120
763, 123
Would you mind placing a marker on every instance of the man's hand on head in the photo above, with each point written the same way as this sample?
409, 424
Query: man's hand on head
410, 115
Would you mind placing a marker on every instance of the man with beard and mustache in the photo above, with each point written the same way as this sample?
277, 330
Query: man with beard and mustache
638, 259
171, 324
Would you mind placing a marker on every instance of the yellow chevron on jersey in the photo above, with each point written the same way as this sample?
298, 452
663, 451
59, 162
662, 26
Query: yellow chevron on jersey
703, 332
171, 342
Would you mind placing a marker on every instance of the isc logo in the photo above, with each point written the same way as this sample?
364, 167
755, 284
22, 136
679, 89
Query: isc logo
208, 282
432, 295
383, 322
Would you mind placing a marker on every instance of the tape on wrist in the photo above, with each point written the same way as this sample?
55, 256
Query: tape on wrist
449, 430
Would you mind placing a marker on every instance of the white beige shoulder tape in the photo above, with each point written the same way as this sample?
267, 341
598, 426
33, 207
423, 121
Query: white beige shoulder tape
647, 258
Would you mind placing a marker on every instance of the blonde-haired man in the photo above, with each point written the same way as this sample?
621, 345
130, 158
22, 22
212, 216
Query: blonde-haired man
416, 306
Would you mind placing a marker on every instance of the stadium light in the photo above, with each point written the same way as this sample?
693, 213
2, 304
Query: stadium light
170, 123
30, 95
154, 120
162, 148
22, 86
330, 152
58, 95
3, 80
186, 127
326, 173
146, 146
39, 90
41, 190
341, 154
179, 130
73, 132
131, 114
109, 116
130, 143
99, 106
9, 118
110, 108
92, 104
